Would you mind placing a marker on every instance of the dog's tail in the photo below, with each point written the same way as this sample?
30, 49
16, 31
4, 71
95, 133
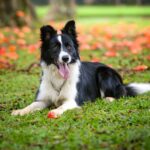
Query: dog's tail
134, 89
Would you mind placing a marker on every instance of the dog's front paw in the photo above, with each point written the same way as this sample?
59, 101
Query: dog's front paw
20, 112
55, 113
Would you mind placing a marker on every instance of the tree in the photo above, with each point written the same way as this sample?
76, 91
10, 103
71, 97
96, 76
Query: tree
117, 2
89, 1
61, 9
138, 2
16, 12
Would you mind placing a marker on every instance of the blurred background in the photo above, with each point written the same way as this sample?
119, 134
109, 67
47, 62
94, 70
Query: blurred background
107, 29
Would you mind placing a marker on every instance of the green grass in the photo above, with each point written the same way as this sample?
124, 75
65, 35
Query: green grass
112, 11
123, 124
106, 14
103, 11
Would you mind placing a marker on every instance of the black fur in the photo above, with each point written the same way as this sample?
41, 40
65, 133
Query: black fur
95, 77
50, 47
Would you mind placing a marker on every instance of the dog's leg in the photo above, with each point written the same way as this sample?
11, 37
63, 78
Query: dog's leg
38, 105
67, 105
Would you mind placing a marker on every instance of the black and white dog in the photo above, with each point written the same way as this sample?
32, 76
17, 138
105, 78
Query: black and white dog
67, 82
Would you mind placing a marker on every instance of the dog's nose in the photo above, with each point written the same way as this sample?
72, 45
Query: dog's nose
65, 58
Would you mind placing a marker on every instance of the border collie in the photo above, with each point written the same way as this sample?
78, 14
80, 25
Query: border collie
66, 82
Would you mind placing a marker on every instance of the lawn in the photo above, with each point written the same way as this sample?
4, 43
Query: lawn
123, 124
103, 11
106, 14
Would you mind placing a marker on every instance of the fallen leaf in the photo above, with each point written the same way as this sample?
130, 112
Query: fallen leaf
140, 68
12, 55
111, 54
95, 60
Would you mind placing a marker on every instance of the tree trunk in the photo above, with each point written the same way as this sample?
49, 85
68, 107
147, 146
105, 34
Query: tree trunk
16, 12
61, 9
89, 1
138, 2
118, 2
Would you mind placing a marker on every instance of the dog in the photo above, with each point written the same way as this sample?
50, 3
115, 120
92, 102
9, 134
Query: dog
68, 83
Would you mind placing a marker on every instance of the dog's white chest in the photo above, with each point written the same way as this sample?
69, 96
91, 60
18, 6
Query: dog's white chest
54, 88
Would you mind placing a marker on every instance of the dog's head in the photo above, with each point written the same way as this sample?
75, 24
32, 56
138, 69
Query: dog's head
60, 49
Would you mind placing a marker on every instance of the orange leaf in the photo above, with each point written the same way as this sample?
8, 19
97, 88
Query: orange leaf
32, 48
148, 57
95, 60
96, 45
12, 55
12, 48
20, 13
84, 47
1, 35
140, 68
2, 51
3, 60
21, 42
26, 29
111, 54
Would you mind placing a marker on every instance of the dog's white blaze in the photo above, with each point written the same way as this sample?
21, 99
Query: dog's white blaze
59, 39
62, 52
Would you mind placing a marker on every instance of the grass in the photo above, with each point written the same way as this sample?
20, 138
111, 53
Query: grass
106, 14
103, 11
123, 124
112, 11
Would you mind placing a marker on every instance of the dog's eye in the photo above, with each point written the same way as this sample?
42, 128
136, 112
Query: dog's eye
68, 47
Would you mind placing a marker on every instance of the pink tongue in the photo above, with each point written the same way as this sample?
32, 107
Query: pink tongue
64, 70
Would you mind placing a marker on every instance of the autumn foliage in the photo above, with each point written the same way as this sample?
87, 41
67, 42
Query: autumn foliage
121, 40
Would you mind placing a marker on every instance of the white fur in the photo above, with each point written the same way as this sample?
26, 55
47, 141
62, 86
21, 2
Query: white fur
109, 99
62, 52
102, 93
59, 39
140, 87
70, 104
30, 108
55, 90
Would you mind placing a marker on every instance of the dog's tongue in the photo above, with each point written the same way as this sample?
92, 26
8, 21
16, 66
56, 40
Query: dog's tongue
64, 70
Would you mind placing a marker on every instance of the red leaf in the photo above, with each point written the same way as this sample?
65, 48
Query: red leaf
148, 57
12, 55
111, 54
32, 48
20, 13
12, 48
51, 115
95, 60
2, 51
96, 45
140, 68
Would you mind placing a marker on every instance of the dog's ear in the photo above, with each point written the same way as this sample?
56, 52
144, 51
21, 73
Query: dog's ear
70, 28
47, 32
